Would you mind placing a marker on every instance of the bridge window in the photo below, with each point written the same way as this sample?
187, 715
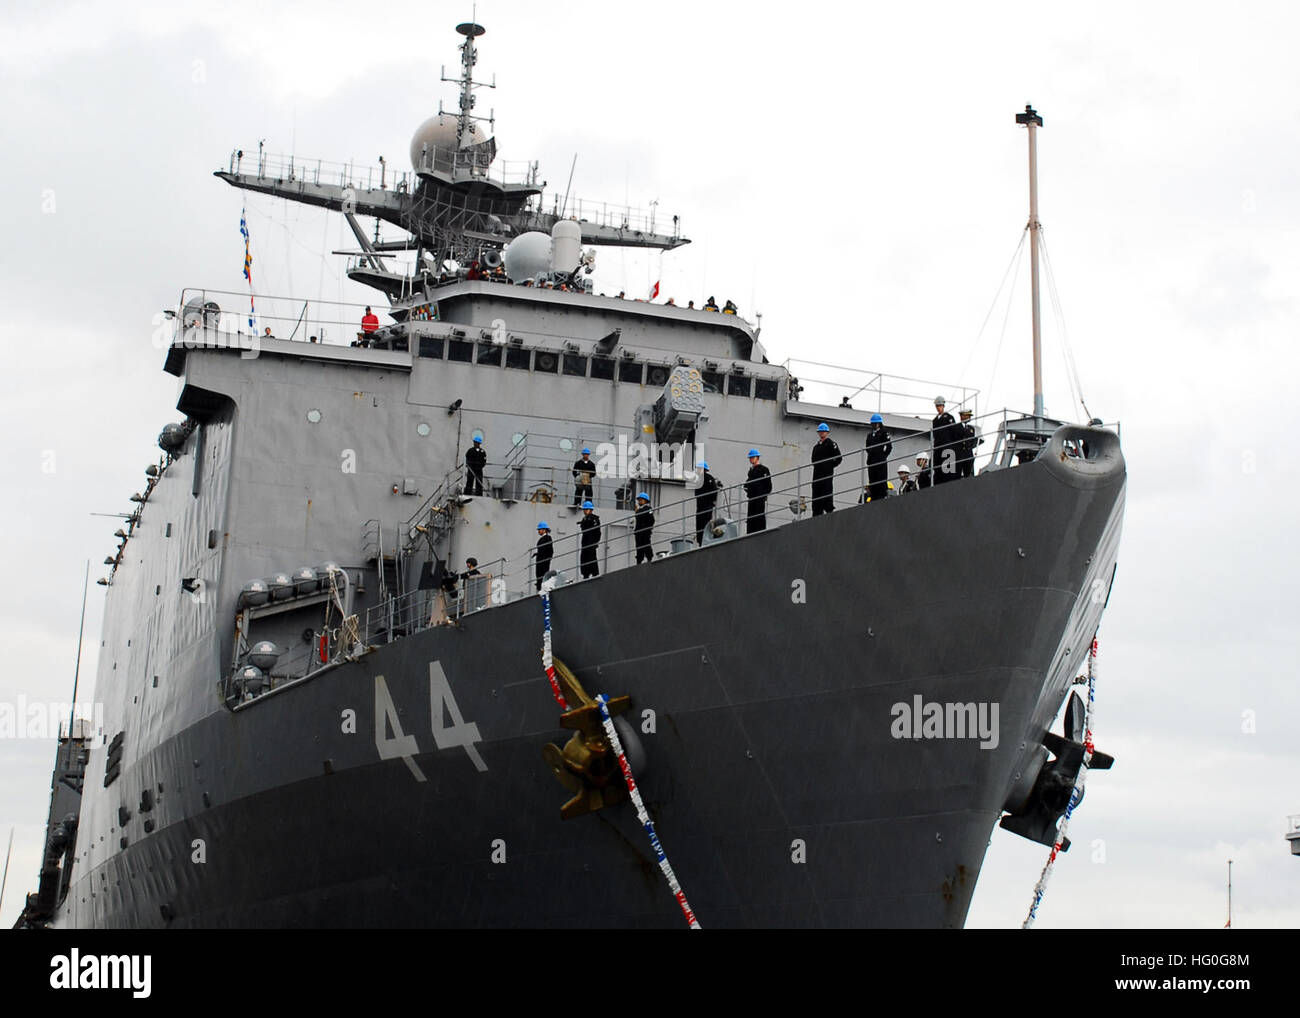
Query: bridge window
657, 374
602, 367
460, 350
737, 385
712, 380
431, 346
629, 371
489, 353
575, 364
517, 357
766, 388
546, 361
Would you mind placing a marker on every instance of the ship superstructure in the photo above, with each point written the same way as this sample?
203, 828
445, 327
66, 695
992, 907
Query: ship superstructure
302, 674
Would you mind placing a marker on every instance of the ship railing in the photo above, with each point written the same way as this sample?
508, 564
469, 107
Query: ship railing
832, 385
537, 468
228, 312
291, 169
621, 218
480, 162
418, 609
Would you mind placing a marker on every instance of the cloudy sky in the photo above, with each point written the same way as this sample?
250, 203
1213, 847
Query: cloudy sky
857, 177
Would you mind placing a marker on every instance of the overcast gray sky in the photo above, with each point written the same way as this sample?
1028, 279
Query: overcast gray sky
853, 172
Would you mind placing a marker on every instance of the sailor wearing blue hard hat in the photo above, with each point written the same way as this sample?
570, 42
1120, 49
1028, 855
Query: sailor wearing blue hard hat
475, 461
590, 527
583, 472
706, 497
879, 446
758, 485
545, 551
825, 458
643, 524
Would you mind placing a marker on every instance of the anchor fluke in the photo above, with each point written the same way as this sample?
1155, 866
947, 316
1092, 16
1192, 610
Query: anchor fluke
1037, 814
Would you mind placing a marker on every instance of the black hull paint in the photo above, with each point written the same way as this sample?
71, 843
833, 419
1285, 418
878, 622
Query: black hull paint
773, 727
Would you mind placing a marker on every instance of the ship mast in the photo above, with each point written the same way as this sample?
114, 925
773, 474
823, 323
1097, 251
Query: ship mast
468, 58
1033, 121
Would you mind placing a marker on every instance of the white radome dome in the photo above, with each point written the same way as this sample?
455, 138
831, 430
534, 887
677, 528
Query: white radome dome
439, 131
528, 256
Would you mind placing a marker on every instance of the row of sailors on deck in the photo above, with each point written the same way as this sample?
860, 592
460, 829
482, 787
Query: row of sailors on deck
956, 444
709, 305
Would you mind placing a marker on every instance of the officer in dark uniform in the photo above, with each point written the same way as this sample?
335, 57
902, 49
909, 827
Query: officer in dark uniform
758, 485
878, 449
945, 435
923, 478
643, 525
475, 461
706, 497
590, 527
825, 458
966, 447
545, 551
583, 471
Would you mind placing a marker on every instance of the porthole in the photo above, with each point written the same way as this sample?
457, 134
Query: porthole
422, 429
566, 444
517, 438
313, 415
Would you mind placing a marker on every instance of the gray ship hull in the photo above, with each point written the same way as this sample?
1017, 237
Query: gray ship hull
774, 775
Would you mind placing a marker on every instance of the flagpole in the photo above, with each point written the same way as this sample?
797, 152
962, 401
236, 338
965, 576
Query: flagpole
5, 879
1229, 925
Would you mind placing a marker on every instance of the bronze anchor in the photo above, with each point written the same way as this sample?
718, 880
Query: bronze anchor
587, 765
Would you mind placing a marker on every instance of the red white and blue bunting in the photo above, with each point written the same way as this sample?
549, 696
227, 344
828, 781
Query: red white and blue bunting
611, 733
1075, 795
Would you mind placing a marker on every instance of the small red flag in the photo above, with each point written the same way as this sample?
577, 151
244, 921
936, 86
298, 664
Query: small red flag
654, 290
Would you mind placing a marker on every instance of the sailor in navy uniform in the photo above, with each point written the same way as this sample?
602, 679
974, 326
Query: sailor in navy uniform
825, 458
946, 436
878, 449
706, 497
475, 461
590, 527
758, 485
969, 440
583, 471
545, 551
643, 525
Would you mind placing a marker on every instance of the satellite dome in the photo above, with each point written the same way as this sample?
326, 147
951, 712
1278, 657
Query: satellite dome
439, 131
528, 256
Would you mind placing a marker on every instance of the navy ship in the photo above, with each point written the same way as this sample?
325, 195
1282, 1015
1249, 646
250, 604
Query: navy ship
353, 677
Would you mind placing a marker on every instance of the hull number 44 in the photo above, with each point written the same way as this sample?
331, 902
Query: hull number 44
446, 723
